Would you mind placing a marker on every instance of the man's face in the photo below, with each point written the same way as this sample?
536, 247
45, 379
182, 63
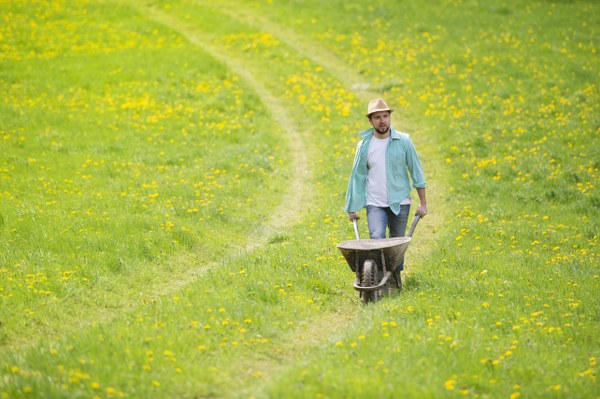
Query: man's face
381, 121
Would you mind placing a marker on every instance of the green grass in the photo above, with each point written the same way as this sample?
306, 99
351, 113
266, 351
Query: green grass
158, 237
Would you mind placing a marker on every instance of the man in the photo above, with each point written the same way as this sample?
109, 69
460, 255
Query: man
380, 177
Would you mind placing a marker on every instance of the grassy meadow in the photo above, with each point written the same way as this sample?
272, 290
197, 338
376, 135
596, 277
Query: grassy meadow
172, 183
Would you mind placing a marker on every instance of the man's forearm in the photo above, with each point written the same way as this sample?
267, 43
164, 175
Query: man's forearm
422, 196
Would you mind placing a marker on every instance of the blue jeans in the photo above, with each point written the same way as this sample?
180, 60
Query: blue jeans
380, 219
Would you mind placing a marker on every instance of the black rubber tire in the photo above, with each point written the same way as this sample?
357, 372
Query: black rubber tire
369, 278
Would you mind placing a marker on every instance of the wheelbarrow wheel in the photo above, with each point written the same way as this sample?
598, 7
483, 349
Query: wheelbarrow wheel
370, 278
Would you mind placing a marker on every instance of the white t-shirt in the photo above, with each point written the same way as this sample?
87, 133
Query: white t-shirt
376, 182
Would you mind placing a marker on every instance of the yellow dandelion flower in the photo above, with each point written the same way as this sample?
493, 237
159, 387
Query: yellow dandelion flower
257, 374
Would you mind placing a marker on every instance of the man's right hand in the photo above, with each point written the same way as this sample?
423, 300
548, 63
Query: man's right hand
353, 216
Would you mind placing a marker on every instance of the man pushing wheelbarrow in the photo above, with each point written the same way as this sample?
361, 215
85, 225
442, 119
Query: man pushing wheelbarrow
384, 165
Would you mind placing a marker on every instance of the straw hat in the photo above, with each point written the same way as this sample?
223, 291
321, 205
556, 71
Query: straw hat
377, 105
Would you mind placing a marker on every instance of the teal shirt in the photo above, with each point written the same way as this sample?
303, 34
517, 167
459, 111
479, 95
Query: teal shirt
401, 158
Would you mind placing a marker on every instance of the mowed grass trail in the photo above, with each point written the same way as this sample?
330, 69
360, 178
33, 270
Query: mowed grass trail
172, 179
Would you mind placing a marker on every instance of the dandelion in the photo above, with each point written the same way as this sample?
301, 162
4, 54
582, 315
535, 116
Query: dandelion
257, 374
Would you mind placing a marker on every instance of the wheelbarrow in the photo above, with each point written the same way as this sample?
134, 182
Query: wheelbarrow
375, 262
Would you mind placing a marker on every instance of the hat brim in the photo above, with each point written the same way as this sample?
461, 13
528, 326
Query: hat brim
379, 110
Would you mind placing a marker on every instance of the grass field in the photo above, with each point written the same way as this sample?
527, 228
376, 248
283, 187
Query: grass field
172, 182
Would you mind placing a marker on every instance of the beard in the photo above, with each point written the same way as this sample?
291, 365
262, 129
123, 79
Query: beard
382, 130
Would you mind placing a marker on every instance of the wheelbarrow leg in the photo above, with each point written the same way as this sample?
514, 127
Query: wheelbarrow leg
397, 280
397, 276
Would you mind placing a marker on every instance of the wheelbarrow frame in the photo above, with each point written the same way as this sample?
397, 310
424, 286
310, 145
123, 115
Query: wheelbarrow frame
388, 250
